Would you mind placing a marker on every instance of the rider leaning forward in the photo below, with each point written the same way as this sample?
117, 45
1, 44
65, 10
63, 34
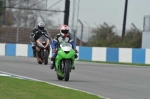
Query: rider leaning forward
36, 33
64, 35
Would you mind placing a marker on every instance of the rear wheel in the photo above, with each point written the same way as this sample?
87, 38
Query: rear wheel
67, 70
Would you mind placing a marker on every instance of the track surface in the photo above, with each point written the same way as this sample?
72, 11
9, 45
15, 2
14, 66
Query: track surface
111, 81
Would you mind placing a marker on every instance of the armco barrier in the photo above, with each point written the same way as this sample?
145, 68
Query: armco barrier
127, 55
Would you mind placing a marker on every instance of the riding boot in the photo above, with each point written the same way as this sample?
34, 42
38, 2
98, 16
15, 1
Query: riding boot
76, 56
34, 51
73, 68
38, 54
53, 64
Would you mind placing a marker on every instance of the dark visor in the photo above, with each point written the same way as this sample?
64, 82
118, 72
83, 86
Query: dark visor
65, 31
41, 28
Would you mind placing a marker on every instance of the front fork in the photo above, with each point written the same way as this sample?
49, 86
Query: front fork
57, 63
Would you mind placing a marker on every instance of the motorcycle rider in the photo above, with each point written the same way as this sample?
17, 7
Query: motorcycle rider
62, 36
36, 33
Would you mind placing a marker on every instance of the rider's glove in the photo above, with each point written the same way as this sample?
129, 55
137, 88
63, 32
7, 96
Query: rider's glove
75, 50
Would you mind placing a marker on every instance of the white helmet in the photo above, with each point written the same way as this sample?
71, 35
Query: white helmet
64, 30
41, 25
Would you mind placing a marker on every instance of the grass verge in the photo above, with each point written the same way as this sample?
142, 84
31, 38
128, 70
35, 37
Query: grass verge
13, 88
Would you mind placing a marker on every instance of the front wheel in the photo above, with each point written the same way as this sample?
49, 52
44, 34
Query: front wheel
67, 70
46, 57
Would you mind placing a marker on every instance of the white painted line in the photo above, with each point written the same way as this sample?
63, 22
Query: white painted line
4, 75
18, 76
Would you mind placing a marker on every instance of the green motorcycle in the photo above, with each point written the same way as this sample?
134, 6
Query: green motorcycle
64, 61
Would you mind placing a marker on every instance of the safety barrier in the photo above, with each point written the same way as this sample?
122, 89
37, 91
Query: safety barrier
126, 55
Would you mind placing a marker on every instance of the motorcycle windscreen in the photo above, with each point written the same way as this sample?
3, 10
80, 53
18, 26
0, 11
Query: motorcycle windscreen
43, 39
66, 46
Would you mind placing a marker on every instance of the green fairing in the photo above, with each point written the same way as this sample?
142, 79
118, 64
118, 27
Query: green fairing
62, 55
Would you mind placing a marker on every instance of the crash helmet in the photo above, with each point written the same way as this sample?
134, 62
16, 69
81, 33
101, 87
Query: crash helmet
41, 25
64, 30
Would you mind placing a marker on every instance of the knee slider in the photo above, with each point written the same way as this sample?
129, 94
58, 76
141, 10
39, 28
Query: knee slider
52, 58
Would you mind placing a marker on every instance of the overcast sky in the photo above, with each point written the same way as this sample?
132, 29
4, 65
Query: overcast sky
96, 12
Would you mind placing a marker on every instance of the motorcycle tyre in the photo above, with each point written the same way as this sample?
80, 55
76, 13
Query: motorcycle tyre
45, 57
67, 71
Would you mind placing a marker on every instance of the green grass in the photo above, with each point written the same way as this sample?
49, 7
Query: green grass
13, 88
134, 64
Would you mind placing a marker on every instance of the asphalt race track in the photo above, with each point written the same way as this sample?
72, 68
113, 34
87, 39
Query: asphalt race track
111, 81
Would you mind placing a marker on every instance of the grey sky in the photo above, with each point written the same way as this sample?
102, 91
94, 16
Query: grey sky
110, 11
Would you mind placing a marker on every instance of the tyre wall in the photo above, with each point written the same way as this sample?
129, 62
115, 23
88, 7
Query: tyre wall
125, 55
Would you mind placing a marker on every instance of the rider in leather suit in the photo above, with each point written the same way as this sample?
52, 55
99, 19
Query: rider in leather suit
35, 34
62, 36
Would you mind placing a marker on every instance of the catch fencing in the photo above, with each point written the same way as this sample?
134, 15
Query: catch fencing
12, 34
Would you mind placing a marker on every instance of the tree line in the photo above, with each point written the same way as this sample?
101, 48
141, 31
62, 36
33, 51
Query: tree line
105, 36
27, 18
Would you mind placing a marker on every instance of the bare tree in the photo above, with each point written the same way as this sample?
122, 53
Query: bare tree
29, 18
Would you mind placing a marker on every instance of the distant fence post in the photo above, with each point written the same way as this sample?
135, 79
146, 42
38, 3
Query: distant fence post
81, 32
17, 29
